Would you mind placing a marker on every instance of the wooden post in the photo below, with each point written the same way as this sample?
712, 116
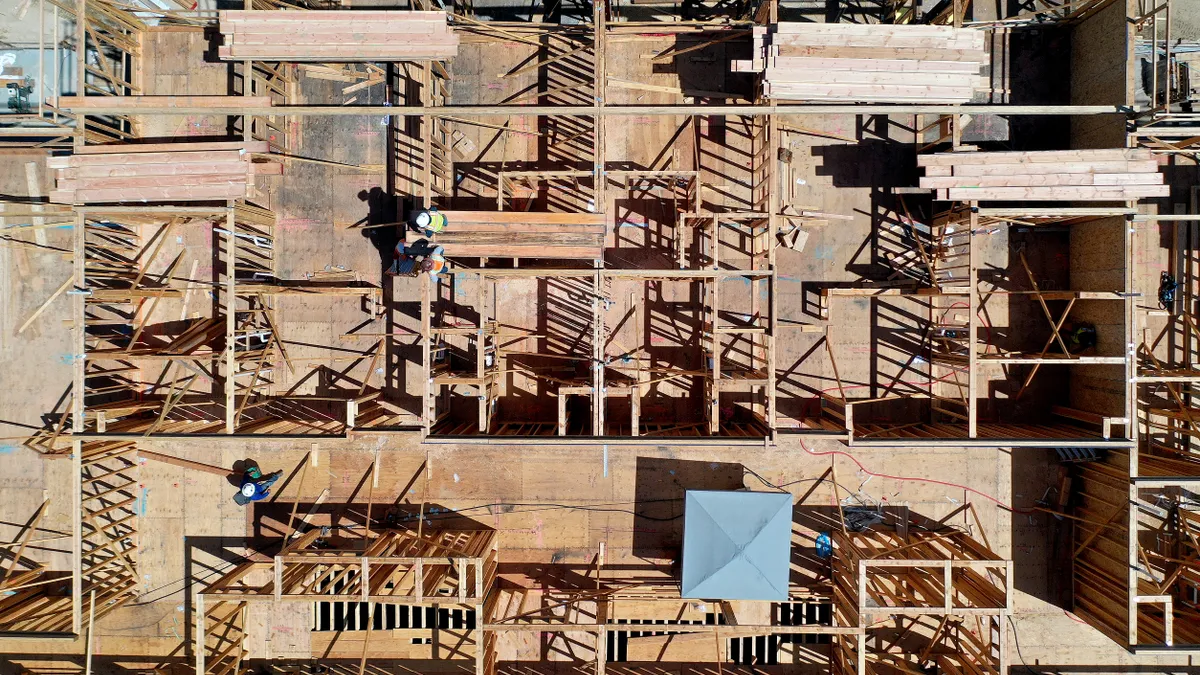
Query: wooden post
635, 392
201, 632
230, 307
77, 535
562, 414
427, 407
91, 632
973, 324
365, 580
599, 398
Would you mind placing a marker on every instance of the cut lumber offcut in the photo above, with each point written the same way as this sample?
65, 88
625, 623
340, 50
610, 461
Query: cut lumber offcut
336, 36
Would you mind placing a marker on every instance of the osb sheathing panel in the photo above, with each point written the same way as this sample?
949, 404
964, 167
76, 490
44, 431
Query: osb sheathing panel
1094, 267
1099, 389
1102, 74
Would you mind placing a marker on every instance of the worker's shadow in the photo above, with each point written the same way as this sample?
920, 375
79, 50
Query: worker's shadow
239, 470
382, 208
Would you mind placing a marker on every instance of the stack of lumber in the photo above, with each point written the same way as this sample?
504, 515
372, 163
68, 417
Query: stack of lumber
336, 35
135, 103
518, 234
867, 62
1121, 174
134, 172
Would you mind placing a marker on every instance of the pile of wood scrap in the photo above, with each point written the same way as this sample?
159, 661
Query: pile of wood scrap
520, 234
360, 76
802, 61
336, 35
1120, 174
135, 172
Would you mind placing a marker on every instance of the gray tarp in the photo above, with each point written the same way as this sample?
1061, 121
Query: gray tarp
736, 545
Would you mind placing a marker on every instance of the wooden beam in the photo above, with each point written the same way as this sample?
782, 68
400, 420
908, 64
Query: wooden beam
181, 462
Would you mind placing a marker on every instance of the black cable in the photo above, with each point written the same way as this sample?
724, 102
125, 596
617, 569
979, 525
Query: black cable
1017, 642
782, 487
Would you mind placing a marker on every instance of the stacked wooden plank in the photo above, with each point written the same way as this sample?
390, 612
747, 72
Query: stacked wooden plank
518, 234
867, 62
135, 103
1120, 174
167, 172
336, 35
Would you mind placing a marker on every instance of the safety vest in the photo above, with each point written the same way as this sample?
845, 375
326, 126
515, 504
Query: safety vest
439, 263
431, 221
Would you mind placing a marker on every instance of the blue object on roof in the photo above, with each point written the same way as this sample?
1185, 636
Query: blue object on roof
736, 545
824, 545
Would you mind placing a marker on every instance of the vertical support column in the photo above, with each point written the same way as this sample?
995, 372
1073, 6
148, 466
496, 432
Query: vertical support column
78, 324
599, 398
247, 91
461, 565
80, 69
78, 402
948, 585
1002, 639
973, 323
773, 211
480, 352
76, 537
427, 122
601, 645
635, 393
427, 402
599, 26
1131, 414
201, 632
562, 414
230, 302
714, 404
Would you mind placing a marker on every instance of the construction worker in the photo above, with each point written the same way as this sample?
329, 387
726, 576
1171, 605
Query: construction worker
434, 263
429, 221
420, 256
255, 486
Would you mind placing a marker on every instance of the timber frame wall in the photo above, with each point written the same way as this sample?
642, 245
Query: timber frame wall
1136, 556
221, 364
944, 264
421, 93
898, 594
